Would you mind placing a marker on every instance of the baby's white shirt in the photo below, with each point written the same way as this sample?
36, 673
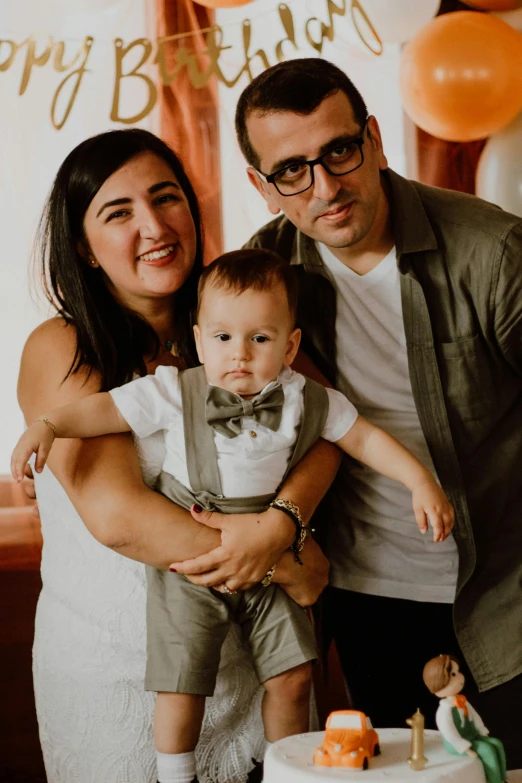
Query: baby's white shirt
252, 463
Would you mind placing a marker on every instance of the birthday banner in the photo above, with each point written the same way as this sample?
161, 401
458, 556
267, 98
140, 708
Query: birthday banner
174, 56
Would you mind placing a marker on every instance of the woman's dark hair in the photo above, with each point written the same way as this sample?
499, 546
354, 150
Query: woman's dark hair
251, 269
111, 339
295, 85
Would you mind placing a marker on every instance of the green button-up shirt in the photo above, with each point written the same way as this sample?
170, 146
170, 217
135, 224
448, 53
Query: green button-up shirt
460, 261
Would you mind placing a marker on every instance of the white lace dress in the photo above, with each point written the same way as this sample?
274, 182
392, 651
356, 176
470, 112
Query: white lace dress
94, 716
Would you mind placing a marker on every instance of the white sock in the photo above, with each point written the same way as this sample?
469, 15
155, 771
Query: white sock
176, 767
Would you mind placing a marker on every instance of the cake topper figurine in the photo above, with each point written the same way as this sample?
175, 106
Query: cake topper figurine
417, 759
462, 729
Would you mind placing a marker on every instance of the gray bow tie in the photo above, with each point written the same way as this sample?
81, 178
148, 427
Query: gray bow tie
224, 409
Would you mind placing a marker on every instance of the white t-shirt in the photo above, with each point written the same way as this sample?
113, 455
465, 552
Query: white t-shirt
254, 462
381, 551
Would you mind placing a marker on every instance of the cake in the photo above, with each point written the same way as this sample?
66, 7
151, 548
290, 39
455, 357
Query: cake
291, 761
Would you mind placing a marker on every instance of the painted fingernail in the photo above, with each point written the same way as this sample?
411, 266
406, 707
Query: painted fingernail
174, 571
197, 508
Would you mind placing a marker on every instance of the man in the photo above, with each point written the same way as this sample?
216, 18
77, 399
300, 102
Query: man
411, 304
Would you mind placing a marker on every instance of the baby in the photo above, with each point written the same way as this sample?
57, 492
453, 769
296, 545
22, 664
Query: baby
233, 429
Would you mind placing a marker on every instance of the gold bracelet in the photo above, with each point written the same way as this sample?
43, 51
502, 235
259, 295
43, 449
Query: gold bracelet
291, 510
267, 579
49, 424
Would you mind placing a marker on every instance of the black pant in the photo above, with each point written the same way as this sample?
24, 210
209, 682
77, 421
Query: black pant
383, 644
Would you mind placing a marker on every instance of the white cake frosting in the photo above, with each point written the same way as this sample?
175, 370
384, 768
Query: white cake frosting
290, 761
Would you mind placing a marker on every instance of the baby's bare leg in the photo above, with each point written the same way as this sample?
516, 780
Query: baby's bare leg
177, 722
286, 703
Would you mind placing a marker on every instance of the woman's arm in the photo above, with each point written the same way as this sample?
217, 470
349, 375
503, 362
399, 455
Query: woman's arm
102, 476
103, 480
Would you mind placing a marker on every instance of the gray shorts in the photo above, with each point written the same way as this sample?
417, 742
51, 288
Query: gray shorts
187, 625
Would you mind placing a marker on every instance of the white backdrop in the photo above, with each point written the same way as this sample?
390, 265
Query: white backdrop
31, 150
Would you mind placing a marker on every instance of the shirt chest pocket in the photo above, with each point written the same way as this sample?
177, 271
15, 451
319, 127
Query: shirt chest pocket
467, 377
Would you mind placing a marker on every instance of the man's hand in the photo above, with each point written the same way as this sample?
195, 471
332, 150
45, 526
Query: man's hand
304, 583
250, 545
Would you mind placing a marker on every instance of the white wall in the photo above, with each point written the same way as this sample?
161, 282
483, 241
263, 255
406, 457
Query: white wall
376, 77
31, 151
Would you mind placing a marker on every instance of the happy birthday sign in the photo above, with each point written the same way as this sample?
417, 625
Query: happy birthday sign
173, 56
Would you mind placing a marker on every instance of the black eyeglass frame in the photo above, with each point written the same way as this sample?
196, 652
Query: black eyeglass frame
270, 178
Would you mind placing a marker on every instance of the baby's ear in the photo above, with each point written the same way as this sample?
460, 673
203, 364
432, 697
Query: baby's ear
292, 347
197, 338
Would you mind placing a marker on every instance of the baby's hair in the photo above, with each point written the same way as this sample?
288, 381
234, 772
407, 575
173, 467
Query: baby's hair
251, 269
437, 672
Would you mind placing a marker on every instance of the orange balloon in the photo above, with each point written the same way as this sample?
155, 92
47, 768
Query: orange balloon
222, 3
494, 5
461, 76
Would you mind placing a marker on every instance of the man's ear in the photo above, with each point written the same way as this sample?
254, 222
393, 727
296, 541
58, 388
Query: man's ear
264, 189
292, 347
197, 338
85, 252
373, 133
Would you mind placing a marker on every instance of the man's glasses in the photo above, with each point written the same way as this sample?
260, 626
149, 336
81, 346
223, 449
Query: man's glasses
299, 176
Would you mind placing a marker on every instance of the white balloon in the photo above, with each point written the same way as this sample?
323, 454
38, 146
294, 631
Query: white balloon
499, 170
396, 21
513, 18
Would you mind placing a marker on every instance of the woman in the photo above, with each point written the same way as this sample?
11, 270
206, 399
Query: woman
121, 254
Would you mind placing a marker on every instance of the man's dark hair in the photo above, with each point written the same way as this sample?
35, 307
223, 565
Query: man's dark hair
295, 85
251, 269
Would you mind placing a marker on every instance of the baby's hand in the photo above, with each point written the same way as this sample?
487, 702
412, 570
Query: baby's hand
37, 439
430, 502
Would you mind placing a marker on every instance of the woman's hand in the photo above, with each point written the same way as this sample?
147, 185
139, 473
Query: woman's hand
304, 583
29, 488
250, 545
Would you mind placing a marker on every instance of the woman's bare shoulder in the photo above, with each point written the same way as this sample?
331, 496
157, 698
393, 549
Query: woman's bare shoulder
46, 360
54, 333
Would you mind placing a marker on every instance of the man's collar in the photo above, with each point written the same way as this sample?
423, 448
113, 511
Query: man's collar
304, 252
412, 230
411, 227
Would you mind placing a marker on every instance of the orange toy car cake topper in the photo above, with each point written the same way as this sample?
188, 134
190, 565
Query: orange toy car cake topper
349, 741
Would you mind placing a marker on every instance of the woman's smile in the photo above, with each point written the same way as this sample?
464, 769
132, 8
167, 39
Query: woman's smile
159, 258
